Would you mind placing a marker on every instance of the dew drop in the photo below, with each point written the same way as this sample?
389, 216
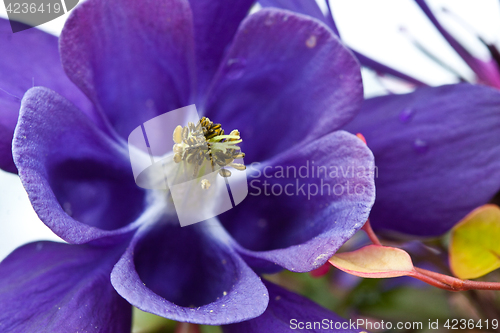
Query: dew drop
420, 146
236, 68
406, 115
311, 42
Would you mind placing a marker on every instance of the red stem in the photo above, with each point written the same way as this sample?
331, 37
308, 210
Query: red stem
458, 284
369, 231
187, 328
432, 281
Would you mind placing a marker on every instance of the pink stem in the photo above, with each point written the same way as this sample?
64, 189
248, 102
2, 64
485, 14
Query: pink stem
369, 231
456, 284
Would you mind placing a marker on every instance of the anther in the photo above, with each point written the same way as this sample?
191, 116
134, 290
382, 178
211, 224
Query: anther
205, 184
177, 148
185, 133
178, 134
205, 141
240, 155
225, 173
238, 166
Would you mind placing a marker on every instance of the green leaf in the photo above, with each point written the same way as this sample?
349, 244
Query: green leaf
144, 322
474, 248
374, 261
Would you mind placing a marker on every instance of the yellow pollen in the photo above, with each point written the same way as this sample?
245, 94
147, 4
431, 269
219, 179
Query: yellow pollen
178, 134
205, 141
238, 166
205, 184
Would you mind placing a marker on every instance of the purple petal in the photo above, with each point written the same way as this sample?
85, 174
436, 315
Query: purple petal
286, 79
27, 59
311, 8
437, 155
215, 24
189, 274
288, 312
54, 287
133, 59
317, 196
79, 181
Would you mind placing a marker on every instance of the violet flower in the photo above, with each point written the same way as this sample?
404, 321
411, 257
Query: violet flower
436, 149
283, 80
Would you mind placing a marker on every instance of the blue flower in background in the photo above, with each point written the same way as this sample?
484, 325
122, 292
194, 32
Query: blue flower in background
282, 79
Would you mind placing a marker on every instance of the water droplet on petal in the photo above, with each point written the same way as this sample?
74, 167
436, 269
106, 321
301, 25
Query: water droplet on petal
311, 42
236, 68
420, 146
406, 115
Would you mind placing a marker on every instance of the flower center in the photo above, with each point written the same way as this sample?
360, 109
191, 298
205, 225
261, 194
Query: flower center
204, 143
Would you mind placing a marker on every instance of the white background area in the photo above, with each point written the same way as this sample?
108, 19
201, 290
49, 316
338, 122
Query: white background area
372, 27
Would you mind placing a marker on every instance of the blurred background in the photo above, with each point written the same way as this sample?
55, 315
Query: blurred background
393, 32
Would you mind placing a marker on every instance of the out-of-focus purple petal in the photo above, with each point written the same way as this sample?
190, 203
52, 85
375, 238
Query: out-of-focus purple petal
317, 196
288, 312
381, 68
133, 59
215, 23
189, 274
79, 181
286, 79
28, 58
330, 21
437, 152
487, 71
59, 288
